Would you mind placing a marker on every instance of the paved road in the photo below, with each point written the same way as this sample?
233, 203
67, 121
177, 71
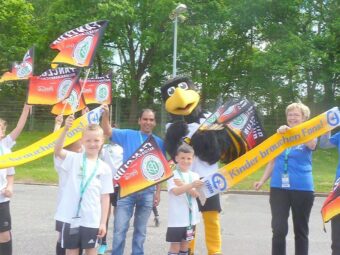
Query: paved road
245, 225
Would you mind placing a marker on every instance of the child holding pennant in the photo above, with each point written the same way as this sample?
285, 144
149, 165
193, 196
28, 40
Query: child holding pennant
85, 200
183, 210
7, 179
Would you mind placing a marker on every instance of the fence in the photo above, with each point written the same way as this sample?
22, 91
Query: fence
42, 119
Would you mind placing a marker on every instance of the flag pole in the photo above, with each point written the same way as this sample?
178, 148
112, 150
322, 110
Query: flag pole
82, 88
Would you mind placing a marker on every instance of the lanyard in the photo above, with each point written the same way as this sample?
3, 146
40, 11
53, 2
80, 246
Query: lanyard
1, 150
287, 151
83, 184
189, 198
140, 137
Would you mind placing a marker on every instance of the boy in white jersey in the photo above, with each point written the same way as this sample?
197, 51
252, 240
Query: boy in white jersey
7, 179
62, 178
85, 200
183, 209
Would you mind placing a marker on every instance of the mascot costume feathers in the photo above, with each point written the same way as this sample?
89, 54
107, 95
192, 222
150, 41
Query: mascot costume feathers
211, 146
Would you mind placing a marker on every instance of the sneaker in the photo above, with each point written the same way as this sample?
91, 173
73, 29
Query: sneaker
156, 221
102, 249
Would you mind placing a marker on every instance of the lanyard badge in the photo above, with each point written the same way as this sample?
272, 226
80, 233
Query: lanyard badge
285, 177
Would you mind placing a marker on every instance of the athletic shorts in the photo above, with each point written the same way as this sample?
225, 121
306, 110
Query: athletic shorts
176, 234
212, 204
5, 217
59, 226
85, 238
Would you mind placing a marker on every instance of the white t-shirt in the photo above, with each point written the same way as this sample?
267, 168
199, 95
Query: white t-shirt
62, 177
112, 154
90, 210
178, 212
6, 144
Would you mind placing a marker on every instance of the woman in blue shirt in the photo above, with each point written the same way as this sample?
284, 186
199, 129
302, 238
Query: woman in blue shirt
291, 186
331, 142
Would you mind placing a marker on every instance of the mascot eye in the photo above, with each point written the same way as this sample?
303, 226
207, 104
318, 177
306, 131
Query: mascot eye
171, 91
183, 85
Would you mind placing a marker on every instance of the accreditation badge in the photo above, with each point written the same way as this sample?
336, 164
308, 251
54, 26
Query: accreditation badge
285, 181
190, 233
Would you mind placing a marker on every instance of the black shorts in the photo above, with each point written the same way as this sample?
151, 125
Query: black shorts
176, 234
86, 238
5, 217
212, 204
59, 226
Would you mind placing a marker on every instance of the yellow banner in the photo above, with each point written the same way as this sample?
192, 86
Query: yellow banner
248, 163
45, 146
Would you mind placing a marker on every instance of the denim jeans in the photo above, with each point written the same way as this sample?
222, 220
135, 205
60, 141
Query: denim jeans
141, 204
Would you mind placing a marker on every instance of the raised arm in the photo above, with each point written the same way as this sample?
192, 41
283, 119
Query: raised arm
58, 148
58, 121
106, 121
21, 122
324, 141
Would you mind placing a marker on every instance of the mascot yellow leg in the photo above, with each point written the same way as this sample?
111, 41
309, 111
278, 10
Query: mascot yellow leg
212, 230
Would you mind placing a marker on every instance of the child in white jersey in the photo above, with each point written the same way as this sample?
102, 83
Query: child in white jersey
183, 209
7, 179
62, 178
85, 200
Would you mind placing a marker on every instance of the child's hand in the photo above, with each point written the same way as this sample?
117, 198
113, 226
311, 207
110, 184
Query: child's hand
27, 108
102, 230
85, 110
106, 109
197, 184
59, 120
193, 192
178, 182
69, 121
7, 192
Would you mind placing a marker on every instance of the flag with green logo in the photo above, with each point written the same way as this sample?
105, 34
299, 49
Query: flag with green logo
145, 168
21, 71
77, 47
97, 90
240, 119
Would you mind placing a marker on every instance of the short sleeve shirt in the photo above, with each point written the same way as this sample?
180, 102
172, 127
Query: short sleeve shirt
178, 210
5, 147
90, 209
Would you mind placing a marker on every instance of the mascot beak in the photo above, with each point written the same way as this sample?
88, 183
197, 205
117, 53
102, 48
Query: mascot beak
182, 102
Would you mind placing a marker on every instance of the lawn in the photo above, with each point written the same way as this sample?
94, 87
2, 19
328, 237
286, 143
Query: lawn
42, 171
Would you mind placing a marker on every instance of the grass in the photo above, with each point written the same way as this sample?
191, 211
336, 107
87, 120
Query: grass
42, 171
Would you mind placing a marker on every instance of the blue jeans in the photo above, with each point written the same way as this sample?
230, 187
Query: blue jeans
143, 201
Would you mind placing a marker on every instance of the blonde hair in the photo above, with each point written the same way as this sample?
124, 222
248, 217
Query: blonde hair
94, 127
300, 106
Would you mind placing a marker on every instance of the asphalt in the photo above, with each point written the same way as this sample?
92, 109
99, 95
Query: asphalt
245, 222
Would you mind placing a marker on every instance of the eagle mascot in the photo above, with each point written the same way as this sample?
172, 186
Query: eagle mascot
182, 103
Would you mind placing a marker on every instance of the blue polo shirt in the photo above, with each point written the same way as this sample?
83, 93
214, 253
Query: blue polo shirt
131, 140
299, 168
335, 139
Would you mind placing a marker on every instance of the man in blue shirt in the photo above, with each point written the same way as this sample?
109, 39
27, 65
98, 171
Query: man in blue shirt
142, 201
